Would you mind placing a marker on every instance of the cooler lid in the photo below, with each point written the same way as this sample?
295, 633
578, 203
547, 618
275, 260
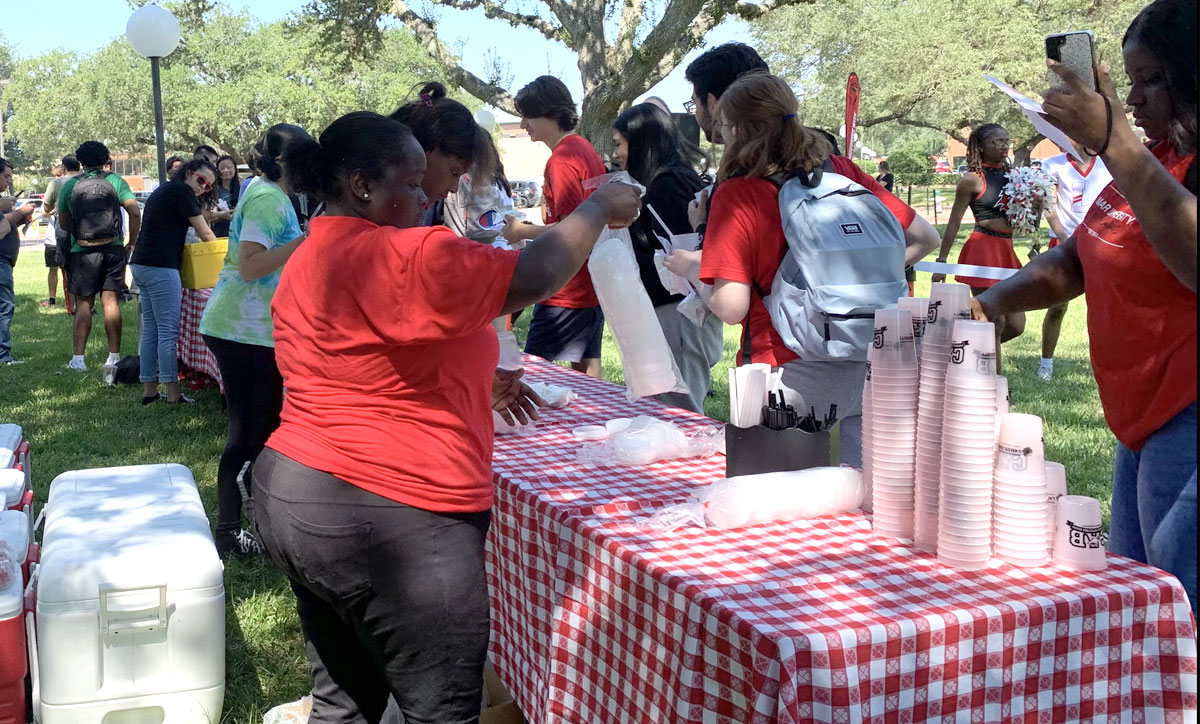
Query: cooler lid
181, 557
115, 517
144, 504
10, 440
119, 481
14, 533
12, 486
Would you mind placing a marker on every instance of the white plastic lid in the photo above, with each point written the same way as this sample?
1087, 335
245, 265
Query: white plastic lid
119, 481
12, 486
10, 440
590, 432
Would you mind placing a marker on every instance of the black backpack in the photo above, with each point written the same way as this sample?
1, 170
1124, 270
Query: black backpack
95, 210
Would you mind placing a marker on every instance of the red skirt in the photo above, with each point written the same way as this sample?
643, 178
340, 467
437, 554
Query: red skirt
987, 248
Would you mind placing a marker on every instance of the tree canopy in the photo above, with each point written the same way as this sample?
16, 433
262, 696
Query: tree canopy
920, 61
230, 80
624, 47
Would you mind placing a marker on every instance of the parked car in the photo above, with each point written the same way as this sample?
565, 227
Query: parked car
941, 165
526, 194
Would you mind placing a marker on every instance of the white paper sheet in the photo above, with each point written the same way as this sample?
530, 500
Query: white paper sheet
1033, 111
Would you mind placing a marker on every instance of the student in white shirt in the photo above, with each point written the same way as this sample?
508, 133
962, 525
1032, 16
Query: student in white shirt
1076, 187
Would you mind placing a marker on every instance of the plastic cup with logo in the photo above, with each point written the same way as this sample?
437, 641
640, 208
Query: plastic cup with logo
947, 302
1056, 488
972, 352
1078, 535
918, 308
894, 343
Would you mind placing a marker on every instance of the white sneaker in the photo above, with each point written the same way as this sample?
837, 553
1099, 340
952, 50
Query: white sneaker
110, 375
77, 365
1045, 373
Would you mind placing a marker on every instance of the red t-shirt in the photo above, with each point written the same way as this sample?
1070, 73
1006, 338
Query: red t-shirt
572, 162
1141, 319
385, 343
744, 242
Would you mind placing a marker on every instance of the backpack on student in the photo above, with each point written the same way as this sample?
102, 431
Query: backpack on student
95, 210
844, 260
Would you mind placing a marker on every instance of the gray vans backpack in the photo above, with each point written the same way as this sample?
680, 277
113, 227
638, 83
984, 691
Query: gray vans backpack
844, 260
95, 210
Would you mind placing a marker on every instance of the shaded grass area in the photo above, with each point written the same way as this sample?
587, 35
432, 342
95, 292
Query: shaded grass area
74, 422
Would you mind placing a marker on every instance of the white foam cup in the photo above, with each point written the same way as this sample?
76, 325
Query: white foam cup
1078, 534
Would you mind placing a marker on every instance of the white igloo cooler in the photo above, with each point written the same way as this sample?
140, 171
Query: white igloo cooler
14, 452
12, 487
130, 623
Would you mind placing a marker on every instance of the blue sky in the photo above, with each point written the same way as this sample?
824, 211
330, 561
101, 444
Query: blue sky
81, 25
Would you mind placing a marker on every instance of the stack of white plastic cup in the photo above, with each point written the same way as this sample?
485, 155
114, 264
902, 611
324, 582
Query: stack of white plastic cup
968, 448
894, 421
868, 424
1078, 537
1020, 490
1001, 401
1056, 487
918, 307
947, 303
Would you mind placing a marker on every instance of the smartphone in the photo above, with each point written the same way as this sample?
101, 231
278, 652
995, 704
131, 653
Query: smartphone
1076, 50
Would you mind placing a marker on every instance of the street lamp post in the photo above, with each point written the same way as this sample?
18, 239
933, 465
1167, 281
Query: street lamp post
154, 33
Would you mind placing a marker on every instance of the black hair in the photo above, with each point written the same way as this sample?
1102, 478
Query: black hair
717, 68
548, 97
975, 143
360, 142
1167, 29
884, 167
70, 163
837, 151
173, 159
5, 163
444, 125
235, 183
254, 157
92, 154
273, 145
653, 141
206, 152
208, 199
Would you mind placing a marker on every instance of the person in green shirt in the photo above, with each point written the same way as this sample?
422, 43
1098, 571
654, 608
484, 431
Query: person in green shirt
97, 259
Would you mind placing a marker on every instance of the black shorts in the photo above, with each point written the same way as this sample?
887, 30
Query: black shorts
565, 335
53, 257
101, 269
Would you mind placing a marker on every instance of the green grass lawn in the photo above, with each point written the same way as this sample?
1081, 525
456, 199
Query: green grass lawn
74, 422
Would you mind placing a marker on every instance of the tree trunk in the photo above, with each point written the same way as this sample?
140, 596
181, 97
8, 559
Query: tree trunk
599, 110
1022, 152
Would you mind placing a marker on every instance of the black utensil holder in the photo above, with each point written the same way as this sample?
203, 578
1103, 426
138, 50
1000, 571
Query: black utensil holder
753, 450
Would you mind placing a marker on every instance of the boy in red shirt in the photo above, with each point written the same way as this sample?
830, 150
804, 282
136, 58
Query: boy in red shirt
568, 326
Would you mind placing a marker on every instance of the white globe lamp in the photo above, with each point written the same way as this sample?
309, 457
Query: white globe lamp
153, 32
485, 119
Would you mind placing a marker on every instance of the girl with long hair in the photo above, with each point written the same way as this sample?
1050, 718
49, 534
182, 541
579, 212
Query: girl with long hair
228, 188
745, 243
648, 146
990, 243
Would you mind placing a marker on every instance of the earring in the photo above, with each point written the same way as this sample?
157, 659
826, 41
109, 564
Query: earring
366, 196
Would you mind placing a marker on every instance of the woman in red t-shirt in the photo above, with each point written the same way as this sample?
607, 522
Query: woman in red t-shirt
1134, 258
569, 326
745, 243
374, 493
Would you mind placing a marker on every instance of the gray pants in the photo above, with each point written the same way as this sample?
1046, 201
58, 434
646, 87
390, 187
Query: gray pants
822, 384
696, 350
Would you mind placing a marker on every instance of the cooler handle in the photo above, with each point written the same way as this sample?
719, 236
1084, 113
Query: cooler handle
35, 697
117, 621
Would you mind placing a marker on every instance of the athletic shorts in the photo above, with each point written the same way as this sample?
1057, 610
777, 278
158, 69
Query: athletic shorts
53, 257
565, 335
101, 269
985, 247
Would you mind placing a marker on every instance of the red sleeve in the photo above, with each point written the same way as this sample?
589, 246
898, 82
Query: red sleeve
445, 286
902, 211
728, 240
564, 188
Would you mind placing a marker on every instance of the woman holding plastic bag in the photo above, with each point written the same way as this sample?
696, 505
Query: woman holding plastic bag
745, 243
374, 493
647, 146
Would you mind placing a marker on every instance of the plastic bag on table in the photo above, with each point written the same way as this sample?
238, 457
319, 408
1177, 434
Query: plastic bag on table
671, 281
649, 440
646, 359
555, 396
619, 177
510, 353
293, 712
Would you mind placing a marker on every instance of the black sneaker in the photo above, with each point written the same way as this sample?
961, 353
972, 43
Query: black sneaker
183, 400
240, 542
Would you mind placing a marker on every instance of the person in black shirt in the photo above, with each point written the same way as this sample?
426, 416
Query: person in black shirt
885, 177
170, 211
649, 148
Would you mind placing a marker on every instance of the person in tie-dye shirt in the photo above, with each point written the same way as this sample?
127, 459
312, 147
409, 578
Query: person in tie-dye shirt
263, 233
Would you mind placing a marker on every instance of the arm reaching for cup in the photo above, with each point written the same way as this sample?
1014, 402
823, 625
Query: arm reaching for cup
554, 257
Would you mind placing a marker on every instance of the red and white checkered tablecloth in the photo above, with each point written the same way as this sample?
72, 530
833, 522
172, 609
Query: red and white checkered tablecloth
599, 619
194, 355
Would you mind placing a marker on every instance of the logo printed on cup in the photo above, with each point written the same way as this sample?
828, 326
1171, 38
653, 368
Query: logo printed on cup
985, 362
963, 314
918, 328
932, 314
958, 352
1014, 458
879, 337
1085, 536
868, 372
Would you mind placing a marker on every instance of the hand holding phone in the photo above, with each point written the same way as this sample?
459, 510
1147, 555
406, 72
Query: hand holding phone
1076, 50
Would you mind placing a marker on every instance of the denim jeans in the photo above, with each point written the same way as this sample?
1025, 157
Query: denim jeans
162, 301
8, 305
1154, 501
393, 600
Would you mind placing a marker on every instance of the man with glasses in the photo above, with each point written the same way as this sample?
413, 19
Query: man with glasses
89, 208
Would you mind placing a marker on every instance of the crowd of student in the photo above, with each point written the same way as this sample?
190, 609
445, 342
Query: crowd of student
378, 314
